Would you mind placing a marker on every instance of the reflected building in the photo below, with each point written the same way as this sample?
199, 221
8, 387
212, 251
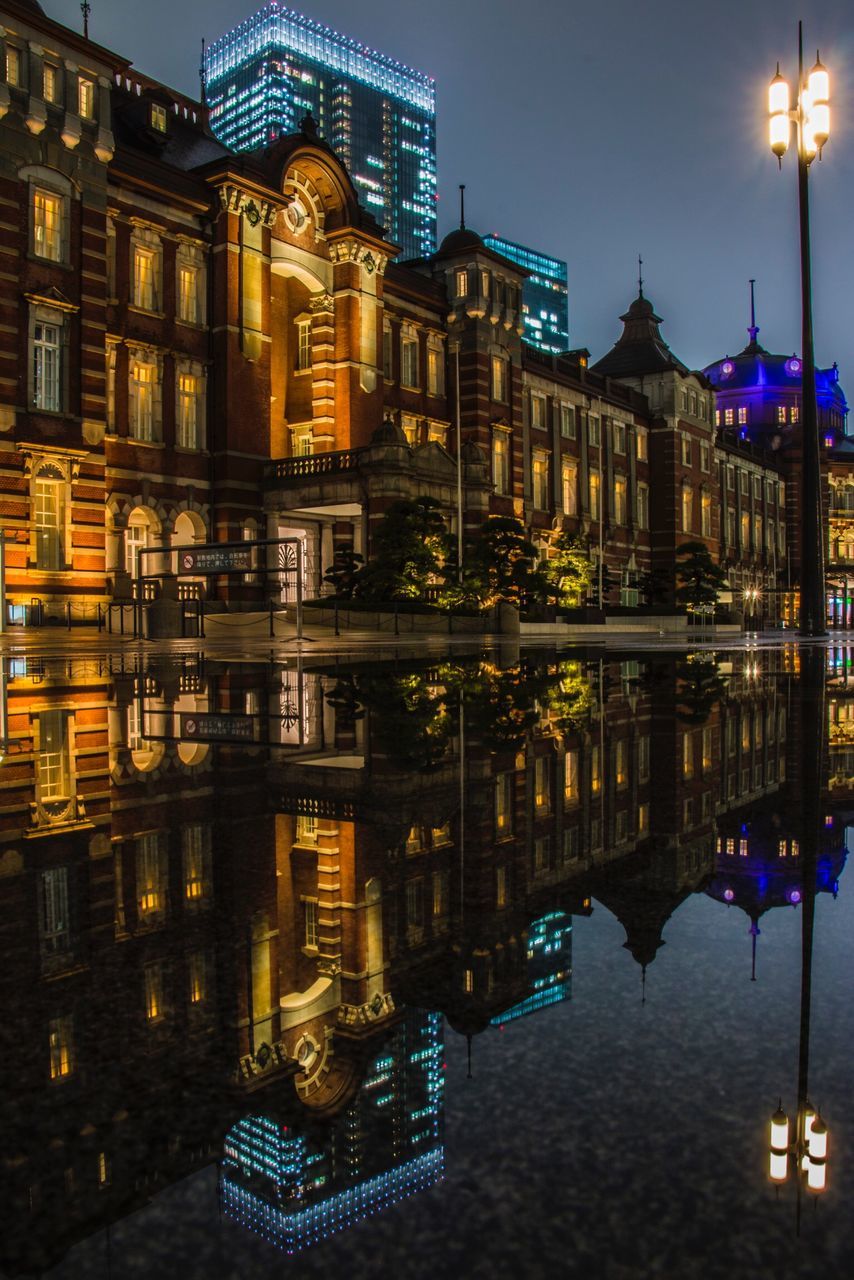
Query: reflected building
264, 886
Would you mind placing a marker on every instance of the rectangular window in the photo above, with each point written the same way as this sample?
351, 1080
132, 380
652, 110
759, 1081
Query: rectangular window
196, 863
704, 457
781, 413
309, 912
47, 367
387, 349
55, 920
188, 294
569, 486
643, 506
86, 99
540, 481
542, 784
50, 82
303, 344
484, 283
687, 508
620, 500
142, 401
60, 1033
461, 282
621, 764
13, 66
567, 421
595, 770
440, 893
794, 414
538, 412
745, 531
501, 461
415, 903
706, 515
499, 379
47, 225
197, 974
150, 877
144, 282
742, 414
688, 756
435, 371
687, 454
503, 804
643, 758
571, 792
49, 520
594, 435
641, 445
54, 765
500, 887
158, 117
153, 984
409, 361
593, 484
729, 417
619, 437
306, 831
187, 426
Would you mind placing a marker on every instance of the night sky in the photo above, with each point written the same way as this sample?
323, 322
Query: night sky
598, 132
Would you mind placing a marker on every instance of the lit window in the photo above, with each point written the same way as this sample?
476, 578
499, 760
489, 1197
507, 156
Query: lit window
540, 481
794, 414
571, 794
196, 860
643, 819
13, 66
61, 1044
188, 296
621, 770
409, 360
503, 805
781, 413
687, 455
142, 381
435, 371
729, 417
49, 518
704, 457
309, 909
150, 876
706, 515
742, 414
501, 887
50, 82
542, 784
641, 445
461, 282
47, 367
158, 117
643, 506
47, 225
187, 426
86, 99
538, 411
103, 1169
440, 893
620, 500
499, 379
196, 972
595, 770
687, 756
153, 982
304, 344
144, 279
501, 461
569, 478
687, 508
593, 485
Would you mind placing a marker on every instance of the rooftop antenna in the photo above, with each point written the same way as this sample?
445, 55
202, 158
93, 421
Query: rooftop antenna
86, 9
754, 327
640, 276
462, 206
203, 77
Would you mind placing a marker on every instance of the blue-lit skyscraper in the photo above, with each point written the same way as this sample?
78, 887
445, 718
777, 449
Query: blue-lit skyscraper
549, 966
544, 294
378, 115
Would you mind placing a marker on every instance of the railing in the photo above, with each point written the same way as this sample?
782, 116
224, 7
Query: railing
313, 464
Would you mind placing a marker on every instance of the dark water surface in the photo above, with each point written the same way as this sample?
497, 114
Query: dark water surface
492, 965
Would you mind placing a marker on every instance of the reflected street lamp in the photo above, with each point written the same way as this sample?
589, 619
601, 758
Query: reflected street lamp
811, 119
807, 1151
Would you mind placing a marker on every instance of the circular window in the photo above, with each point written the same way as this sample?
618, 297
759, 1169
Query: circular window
307, 1052
793, 367
727, 368
296, 215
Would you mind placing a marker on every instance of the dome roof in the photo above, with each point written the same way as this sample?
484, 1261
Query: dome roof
389, 432
640, 348
755, 369
461, 238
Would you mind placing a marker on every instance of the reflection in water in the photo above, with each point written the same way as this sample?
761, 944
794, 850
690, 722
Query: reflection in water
263, 887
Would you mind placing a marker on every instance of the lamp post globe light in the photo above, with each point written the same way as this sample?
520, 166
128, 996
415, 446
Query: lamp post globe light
810, 117
807, 1151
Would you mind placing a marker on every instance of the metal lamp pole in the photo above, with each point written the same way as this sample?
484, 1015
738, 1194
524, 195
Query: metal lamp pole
811, 117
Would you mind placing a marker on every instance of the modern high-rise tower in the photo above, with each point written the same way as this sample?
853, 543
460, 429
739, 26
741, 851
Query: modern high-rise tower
544, 294
378, 115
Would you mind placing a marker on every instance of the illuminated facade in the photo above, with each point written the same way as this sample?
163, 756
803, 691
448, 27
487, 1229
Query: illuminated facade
378, 115
544, 294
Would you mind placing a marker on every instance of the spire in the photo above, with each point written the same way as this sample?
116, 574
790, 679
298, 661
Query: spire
462, 206
85, 9
754, 931
640, 276
753, 328
203, 77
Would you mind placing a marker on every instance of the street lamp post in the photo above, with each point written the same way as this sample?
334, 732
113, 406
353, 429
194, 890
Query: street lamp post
811, 118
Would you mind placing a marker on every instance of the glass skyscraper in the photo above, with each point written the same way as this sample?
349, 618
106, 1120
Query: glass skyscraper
544, 295
378, 115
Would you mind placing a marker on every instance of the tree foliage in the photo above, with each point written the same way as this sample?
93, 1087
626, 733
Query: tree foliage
343, 574
568, 572
410, 545
699, 579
